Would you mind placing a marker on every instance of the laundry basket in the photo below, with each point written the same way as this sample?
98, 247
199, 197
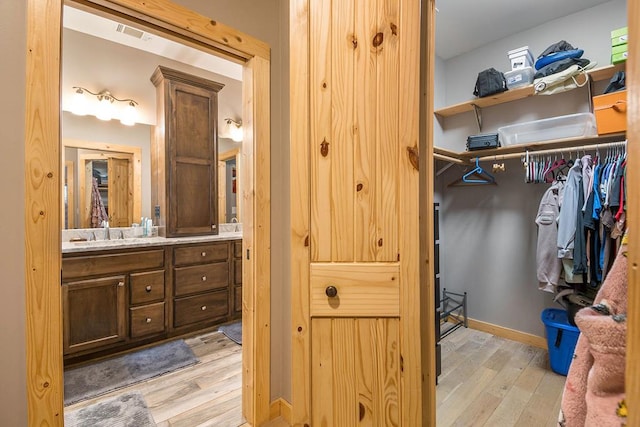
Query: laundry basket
561, 339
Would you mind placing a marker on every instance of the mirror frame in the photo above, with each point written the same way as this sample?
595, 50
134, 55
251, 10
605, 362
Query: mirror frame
134, 152
234, 153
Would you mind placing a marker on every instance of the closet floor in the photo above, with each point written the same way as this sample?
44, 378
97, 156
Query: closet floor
206, 394
491, 381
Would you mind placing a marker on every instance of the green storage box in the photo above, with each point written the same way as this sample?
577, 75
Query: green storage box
619, 36
619, 53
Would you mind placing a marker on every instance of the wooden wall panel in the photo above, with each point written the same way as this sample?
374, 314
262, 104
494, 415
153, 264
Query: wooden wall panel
387, 121
356, 372
341, 208
366, 89
322, 146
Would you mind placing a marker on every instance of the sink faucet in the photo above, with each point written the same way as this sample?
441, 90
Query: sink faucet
235, 220
105, 225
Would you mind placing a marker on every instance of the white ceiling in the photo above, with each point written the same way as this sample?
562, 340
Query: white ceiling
104, 28
465, 25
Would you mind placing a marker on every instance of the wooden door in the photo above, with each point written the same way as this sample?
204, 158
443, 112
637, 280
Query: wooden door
363, 246
120, 192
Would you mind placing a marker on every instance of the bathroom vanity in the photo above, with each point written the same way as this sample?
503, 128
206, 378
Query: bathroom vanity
127, 292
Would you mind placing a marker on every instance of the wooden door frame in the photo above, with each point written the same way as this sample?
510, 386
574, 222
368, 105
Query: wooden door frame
43, 169
418, 299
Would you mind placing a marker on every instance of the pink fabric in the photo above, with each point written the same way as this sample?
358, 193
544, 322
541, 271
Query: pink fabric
595, 383
98, 212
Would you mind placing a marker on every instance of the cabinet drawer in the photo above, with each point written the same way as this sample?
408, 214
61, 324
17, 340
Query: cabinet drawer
147, 320
238, 271
200, 308
237, 249
147, 287
92, 265
200, 278
200, 254
237, 299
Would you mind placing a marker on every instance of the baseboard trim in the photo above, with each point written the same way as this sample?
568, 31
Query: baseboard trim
280, 408
510, 334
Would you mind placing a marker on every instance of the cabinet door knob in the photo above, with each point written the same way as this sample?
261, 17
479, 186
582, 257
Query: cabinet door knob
203, 308
148, 288
204, 278
121, 283
331, 291
148, 320
203, 253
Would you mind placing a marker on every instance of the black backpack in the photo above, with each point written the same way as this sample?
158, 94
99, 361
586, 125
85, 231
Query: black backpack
489, 81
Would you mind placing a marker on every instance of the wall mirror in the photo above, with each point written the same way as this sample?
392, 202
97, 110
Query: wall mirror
98, 55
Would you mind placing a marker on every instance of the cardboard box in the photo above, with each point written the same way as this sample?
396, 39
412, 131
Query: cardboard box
611, 112
619, 36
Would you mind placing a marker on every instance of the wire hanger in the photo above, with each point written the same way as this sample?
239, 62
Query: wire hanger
478, 175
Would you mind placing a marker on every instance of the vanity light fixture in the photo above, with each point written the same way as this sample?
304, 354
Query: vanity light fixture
105, 109
234, 129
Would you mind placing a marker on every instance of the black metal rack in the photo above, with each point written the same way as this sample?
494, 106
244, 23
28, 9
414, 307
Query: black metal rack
454, 307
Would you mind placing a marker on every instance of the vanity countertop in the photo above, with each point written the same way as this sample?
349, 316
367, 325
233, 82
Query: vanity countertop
138, 242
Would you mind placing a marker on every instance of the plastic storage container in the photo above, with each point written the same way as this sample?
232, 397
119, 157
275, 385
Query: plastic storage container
520, 58
519, 77
571, 126
561, 339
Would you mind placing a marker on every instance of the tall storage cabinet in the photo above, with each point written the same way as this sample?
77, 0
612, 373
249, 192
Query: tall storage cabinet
184, 154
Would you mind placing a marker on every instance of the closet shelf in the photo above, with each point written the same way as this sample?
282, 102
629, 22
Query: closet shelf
597, 74
469, 156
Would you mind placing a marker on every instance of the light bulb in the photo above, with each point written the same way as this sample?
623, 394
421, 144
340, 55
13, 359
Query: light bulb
79, 103
129, 115
235, 132
105, 109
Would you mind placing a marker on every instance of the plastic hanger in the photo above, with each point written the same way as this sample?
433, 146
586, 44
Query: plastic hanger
478, 175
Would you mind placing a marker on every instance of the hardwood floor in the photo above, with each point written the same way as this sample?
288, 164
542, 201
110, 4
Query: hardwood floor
206, 394
485, 381
491, 381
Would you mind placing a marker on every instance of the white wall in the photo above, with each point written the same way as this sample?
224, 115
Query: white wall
489, 234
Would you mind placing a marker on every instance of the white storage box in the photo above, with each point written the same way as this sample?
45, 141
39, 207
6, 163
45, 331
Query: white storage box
520, 58
571, 126
519, 77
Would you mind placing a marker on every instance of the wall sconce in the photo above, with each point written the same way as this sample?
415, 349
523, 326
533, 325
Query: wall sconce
234, 129
105, 109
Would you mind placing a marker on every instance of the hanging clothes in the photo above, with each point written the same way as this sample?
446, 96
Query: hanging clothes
548, 265
98, 212
568, 209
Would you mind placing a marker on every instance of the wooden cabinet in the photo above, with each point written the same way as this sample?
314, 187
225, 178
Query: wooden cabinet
112, 299
184, 156
115, 300
200, 285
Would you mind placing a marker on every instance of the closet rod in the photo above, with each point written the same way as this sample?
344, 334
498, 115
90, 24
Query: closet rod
449, 159
556, 150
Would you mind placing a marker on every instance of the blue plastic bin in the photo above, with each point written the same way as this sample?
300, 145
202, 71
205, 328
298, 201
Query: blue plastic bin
561, 339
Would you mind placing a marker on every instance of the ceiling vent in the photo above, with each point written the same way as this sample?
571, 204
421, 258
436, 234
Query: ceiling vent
130, 31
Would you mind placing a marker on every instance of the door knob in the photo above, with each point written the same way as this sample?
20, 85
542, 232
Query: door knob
331, 291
